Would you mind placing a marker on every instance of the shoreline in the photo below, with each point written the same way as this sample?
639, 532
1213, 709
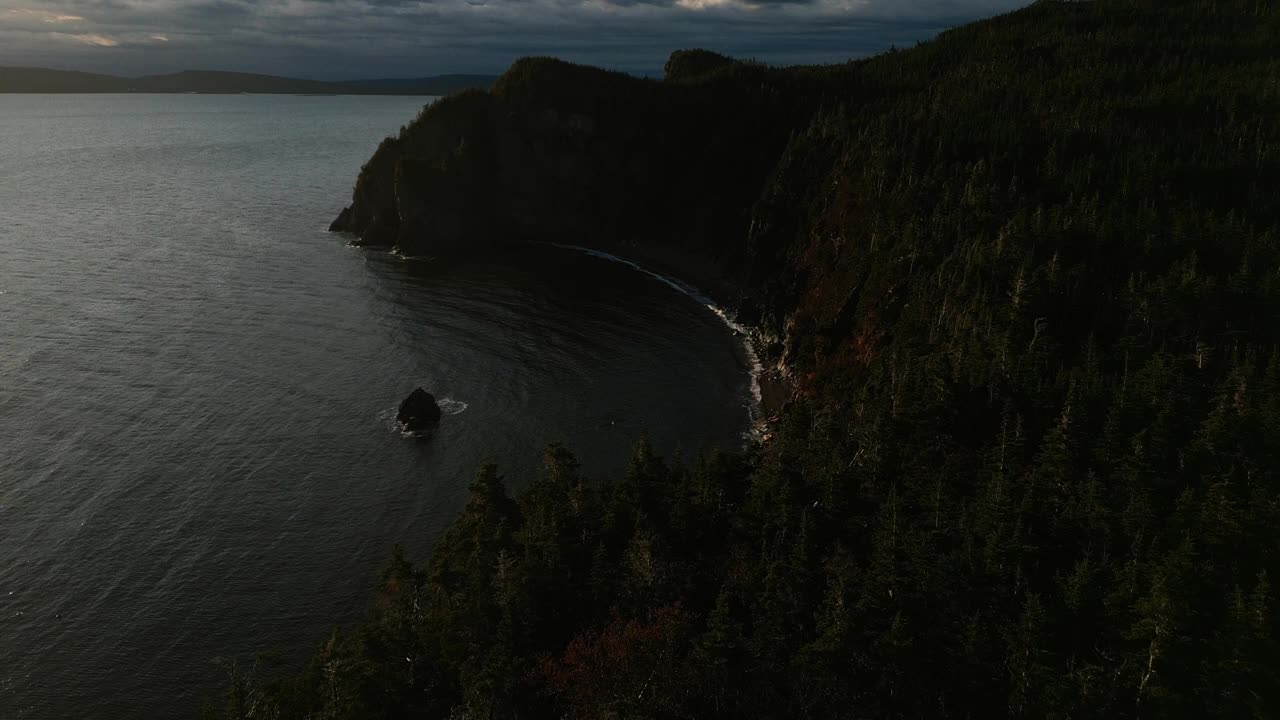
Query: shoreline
769, 389
767, 392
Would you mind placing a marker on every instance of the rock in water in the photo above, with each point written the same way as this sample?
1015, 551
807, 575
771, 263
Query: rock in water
419, 411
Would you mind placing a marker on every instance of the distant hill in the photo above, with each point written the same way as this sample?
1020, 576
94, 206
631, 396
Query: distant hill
39, 80
36, 80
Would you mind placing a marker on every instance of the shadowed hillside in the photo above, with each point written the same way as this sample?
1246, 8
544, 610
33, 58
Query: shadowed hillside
36, 80
1025, 280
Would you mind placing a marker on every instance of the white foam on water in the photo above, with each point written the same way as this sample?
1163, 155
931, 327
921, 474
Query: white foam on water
388, 418
755, 405
449, 406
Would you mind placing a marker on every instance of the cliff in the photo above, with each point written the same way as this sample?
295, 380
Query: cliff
794, 195
664, 171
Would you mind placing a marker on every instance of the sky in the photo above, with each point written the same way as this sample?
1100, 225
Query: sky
350, 39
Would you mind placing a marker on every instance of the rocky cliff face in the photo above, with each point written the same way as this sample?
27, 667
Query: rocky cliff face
669, 172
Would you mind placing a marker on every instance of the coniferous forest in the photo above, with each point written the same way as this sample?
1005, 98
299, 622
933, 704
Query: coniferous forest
1024, 280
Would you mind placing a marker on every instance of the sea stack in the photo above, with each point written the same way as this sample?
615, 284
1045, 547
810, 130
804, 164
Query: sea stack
419, 412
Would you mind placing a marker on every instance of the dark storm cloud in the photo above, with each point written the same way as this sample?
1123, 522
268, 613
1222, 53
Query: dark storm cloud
347, 38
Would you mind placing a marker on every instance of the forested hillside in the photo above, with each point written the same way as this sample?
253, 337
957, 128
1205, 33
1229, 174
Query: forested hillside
1025, 279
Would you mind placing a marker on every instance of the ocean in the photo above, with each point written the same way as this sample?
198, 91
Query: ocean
198, 454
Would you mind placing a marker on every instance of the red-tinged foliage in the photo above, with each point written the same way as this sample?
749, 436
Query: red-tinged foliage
866, 342
806, 385
857, 353
629, 664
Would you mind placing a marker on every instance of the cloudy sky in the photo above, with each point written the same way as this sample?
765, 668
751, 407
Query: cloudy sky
346, 39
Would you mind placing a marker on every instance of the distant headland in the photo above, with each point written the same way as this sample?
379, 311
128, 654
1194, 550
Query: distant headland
40, 80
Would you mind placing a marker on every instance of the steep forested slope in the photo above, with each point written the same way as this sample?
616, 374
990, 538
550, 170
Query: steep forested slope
576, 154
1026, 279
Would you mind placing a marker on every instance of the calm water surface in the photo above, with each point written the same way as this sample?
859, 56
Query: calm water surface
196, 385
